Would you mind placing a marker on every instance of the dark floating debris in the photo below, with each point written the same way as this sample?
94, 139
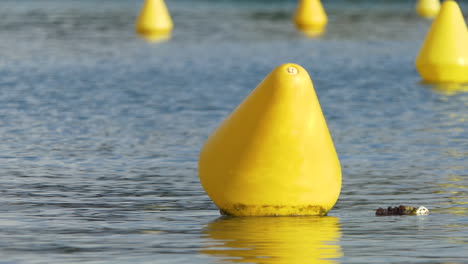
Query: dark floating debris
402, 210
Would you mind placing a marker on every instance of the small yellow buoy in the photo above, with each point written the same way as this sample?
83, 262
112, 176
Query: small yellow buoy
154, 22
444, 53
310, 17
273, 155
428, 8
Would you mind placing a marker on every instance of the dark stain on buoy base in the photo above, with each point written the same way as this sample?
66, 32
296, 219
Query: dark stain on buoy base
273, 210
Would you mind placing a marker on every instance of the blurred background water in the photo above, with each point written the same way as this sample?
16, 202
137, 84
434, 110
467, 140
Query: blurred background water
100, 133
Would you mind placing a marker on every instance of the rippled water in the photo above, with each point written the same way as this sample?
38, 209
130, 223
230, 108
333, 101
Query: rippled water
100, 133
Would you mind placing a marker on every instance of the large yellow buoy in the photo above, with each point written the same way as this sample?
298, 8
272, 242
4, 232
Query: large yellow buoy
310, 17
444, 53
274, 240
154, 22
428, 8
273, 155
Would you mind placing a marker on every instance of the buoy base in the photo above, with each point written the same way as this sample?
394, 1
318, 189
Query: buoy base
273, 210
428, 8
312, 25
428, 13
443, 73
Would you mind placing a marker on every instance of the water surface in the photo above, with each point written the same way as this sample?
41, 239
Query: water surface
100, 133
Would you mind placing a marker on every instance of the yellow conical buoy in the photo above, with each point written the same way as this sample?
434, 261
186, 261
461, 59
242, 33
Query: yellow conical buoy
274, 240
444, 54
273, 155
154, 21
428, 8
310, 17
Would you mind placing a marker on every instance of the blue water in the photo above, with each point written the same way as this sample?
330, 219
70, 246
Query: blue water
100, 133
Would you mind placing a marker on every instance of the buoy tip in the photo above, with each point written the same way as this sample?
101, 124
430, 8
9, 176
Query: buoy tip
450, 4
291, 68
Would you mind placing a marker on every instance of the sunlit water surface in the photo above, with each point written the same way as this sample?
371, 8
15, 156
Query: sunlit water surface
100, 133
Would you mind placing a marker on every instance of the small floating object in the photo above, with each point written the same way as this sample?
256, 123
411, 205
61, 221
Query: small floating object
402, 210
310, 17
154, 22
273, 155
428, 8
444, 54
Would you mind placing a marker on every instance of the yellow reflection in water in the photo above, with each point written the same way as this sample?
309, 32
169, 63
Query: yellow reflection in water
450, 88
313, 33
456, 188
275, 239
156, 38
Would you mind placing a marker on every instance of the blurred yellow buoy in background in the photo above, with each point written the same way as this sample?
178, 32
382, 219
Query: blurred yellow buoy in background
310, 17
154, 22
273, 155
428, 8
444, 53
274, 240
